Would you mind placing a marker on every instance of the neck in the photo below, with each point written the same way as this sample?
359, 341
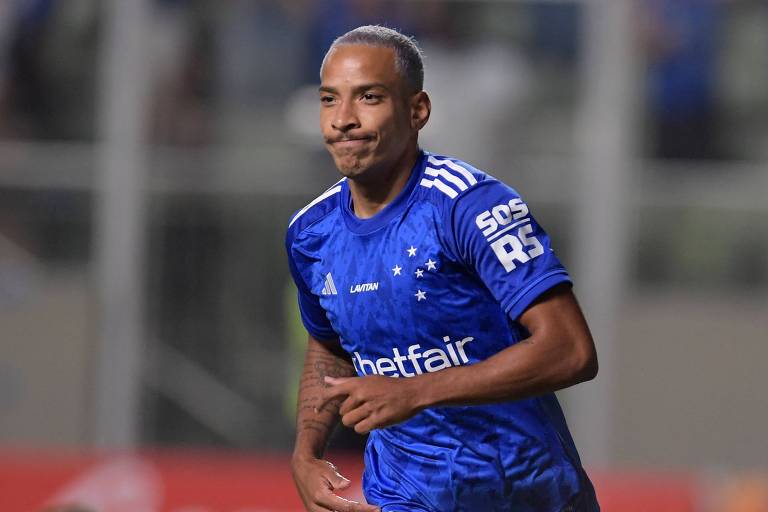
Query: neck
374, 193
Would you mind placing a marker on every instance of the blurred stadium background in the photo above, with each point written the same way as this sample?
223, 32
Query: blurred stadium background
152, 151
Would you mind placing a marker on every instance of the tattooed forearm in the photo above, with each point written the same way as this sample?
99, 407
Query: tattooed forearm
327, 363
315, 426
320, 363
310, 404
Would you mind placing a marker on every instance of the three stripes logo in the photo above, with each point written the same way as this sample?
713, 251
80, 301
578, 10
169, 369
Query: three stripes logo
330, 287
447, 176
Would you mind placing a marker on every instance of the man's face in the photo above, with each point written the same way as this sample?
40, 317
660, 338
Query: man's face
364, 109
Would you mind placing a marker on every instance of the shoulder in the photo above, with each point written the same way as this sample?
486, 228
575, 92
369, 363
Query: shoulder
447, 178
450, 183
317, 209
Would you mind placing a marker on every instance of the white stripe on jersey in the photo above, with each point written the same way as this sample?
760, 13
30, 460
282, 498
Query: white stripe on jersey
328, 193
439, 185
500, 232
454, 166
457, 176
447, 175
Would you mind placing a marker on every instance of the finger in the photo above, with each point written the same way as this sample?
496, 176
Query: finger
332, 393
335, 479
355, 416
333, 502
350, 403
335, 381
366, 425
328, 396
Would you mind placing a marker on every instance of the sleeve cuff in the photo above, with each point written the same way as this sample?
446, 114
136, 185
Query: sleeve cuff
314, 327
319, 334
521, 302
324, 336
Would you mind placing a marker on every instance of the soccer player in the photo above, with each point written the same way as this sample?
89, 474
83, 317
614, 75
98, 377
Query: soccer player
439, 318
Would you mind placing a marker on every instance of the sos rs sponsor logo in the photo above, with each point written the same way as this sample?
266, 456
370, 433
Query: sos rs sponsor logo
507, 228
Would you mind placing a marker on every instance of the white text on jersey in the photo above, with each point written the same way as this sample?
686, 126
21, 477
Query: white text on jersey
415, 361
496, 225
365, 287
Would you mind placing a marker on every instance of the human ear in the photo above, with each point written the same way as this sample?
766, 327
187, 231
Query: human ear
421, 107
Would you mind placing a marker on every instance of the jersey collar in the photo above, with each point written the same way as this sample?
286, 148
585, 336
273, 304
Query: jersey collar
389, 212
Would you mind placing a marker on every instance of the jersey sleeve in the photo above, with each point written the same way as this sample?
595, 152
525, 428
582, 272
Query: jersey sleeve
312, 313
494, 234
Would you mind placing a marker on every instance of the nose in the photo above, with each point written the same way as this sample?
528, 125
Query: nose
346, 117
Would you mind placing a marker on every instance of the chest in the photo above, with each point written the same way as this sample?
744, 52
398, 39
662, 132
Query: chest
400, 266
400, 290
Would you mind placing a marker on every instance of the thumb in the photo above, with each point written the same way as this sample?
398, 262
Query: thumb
338, 481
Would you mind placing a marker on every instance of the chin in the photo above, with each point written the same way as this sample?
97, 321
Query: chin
351, 166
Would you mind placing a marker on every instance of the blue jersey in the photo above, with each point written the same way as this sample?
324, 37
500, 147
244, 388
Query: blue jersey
438, 279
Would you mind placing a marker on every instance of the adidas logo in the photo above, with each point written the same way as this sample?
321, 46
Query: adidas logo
330, 287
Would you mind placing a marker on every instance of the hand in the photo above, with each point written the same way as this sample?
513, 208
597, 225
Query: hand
316, 479
373, 401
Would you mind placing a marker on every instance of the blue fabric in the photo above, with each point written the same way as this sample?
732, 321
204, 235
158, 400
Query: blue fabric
438, 279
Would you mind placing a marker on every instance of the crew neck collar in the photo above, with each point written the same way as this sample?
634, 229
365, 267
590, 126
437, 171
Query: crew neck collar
392, 210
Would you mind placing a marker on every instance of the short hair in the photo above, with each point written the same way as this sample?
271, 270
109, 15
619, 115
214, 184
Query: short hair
408, 56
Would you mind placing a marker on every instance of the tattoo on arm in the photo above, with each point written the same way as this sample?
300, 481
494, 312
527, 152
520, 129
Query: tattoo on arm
319, 363
317, 426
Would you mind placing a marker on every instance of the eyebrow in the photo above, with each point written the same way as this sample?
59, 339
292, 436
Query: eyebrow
356, 89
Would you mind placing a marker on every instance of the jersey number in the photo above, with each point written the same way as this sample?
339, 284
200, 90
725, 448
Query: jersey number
510, 247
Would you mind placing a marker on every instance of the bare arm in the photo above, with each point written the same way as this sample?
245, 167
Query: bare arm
314, 427
559, 353
315, 478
